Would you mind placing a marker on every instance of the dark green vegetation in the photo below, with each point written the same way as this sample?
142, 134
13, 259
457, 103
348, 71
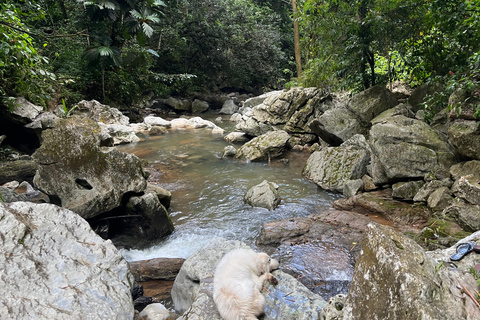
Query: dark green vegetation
121, 51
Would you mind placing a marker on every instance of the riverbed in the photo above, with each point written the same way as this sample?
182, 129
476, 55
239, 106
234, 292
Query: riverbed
207, 190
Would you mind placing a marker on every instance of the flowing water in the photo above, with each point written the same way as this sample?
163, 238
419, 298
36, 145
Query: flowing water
207, 190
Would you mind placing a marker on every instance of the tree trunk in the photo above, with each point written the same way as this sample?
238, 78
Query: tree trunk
296, 39
62, 8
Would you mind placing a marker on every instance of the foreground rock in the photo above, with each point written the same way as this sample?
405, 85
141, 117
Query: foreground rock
269, 145
55, 267
75, 167
264, 195
192, 290
395, 279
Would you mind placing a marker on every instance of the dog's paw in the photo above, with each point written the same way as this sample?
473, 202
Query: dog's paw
271, 278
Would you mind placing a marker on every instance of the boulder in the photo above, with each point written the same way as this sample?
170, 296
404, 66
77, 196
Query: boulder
229, 151
155, 311
420, 94
352, 187
275, 232
404, 148
55, 267
468, 168
463, 105
399, 110
464, 135
8, 195
156, 269
179, 105
439, 199
467, 189
150, 121
368, 104
45, 120
199, 106
99, 112
163, 195
406, 190
332, 167
334, 308
80, 174
264, 195
20, 170
337, 125
466, 215
395, 279
229, 107
255, 101
23, 111
120, 133
236, 137
269, 145
426, 190
193, 289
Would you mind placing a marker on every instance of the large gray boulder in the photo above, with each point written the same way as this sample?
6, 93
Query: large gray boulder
23, 111
269, 145
179, 105
368, 104
395, 279
84, 176
464, 135
99, 112
199, 106
120, 133
404, 148
193, 289
332, 167
55, 267
229, 107
255, 101
264, 195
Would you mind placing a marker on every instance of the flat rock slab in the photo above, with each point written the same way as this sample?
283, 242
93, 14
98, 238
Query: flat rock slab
156, 269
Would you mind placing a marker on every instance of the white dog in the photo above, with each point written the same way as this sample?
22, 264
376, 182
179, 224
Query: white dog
238, 280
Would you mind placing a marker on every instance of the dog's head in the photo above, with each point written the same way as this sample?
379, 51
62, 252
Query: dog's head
265, 263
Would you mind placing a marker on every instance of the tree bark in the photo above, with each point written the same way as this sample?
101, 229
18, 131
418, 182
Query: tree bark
296, 39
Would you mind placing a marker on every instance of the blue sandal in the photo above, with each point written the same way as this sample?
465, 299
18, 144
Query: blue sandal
462, 250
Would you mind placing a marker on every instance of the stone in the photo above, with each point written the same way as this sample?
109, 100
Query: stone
334, 308
55, 267
8, 195
84, 176
179, 105
2, 137
45, 120
352, 187
468, 189
163, 195
193, 289
269, 145
236, 137
156, 269
335, 126
120, 133
157, 130
467, 168
395, 279
199, 106
20, 170
427, 189
31, 194
229, 107
155, 311
23, 111
98, 112
275, 232
368, 184
420, 94
399, 110
466, 215
464, 135
406, 190
463, 105
330, 168
264, 195
229, 151
404, 148
11, 184
368, 104
156, 121
439, 199
255, 101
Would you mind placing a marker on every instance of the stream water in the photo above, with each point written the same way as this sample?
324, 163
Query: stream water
207, 190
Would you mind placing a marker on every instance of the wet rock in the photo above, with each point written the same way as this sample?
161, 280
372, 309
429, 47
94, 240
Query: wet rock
163, 195
98, 112
269, 145
229, 107
466, 215
332, 167
150, 121
406, 190
464, 135
352, 187
236, 137
193, 288
229, 151
20, 170
8, 195
422, 150
276, 232
155, 311
395, 279
59, 266
199, 106
156, 269
82, 175
264, 195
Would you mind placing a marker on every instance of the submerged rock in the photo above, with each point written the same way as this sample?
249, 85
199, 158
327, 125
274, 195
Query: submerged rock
55, 267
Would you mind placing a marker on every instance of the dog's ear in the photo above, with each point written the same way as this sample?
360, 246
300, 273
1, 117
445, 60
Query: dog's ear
263, 262
274, 264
